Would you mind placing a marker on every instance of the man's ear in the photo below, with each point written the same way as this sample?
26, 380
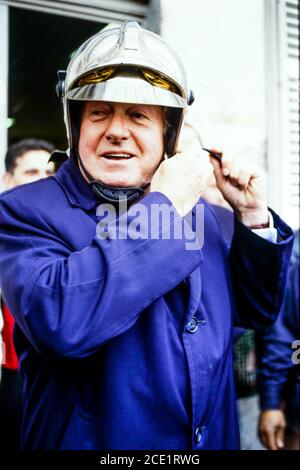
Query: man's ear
7, 180
172, 117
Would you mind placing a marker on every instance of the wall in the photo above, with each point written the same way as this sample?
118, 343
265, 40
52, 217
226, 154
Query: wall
221, 44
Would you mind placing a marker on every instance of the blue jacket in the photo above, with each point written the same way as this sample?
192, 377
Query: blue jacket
279, 375
127, 344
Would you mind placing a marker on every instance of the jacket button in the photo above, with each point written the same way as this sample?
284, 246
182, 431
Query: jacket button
198, 435
192, 326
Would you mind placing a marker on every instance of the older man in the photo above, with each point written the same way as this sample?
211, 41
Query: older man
125, 336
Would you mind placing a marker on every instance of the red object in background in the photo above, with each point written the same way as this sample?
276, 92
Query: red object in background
10, 359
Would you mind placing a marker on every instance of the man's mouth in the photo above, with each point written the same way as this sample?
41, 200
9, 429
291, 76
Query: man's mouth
117, 156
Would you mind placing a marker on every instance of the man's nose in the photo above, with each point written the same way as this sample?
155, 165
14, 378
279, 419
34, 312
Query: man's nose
117, 129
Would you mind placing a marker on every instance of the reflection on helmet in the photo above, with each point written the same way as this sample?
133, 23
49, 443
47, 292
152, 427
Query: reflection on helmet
150, 76
126, 64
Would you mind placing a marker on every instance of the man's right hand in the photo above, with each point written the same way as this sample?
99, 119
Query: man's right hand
183, 178
271, 428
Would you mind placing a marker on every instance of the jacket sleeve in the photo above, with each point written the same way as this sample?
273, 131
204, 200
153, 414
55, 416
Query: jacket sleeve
69, 303
259, 274
274, 347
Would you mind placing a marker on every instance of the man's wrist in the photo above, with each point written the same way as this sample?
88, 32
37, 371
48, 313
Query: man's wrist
259, 226
255, 220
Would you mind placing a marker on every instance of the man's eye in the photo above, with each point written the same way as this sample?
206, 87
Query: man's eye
31, 172
99, 113
138, 115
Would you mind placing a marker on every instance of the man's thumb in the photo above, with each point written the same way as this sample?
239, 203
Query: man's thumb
280, 437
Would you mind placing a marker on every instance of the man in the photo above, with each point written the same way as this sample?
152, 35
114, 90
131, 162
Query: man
279, 372
25, 161
125, 335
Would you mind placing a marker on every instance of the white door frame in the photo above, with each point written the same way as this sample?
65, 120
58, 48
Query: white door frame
3, 83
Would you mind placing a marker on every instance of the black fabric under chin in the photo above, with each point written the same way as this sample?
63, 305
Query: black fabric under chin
116, 195
112, 194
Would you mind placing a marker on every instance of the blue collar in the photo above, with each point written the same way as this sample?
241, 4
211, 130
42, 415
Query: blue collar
75, 186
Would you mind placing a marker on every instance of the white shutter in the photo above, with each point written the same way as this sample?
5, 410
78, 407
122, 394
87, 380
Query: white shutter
103, 11
290, 83
282, 90
3, 85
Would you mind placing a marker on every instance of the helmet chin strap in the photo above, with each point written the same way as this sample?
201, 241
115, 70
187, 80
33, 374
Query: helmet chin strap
112, 194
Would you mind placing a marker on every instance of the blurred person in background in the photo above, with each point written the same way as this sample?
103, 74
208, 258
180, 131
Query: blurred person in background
25, 161
245, 374
1, 344
279, 370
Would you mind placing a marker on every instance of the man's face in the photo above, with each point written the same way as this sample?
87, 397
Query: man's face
31, 166
121, 144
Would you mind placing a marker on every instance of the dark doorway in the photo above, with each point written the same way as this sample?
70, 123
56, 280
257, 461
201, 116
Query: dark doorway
39, 45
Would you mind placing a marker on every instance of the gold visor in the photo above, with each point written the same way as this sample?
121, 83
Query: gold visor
127, 85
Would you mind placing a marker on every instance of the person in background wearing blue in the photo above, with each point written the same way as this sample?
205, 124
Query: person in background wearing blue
279, 370
125, 342
25, 161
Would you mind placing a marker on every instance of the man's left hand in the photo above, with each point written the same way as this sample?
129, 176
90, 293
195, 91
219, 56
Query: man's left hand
243, 187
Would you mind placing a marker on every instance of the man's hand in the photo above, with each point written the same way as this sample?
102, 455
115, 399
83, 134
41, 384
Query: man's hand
271, 428
183, 177
243, 187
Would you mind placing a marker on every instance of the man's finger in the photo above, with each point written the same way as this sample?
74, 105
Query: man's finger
227, 162
264, 438
220, 178
280, 437
244, 178
271, 439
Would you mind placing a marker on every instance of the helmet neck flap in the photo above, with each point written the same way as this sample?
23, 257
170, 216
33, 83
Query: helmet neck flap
112, 194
